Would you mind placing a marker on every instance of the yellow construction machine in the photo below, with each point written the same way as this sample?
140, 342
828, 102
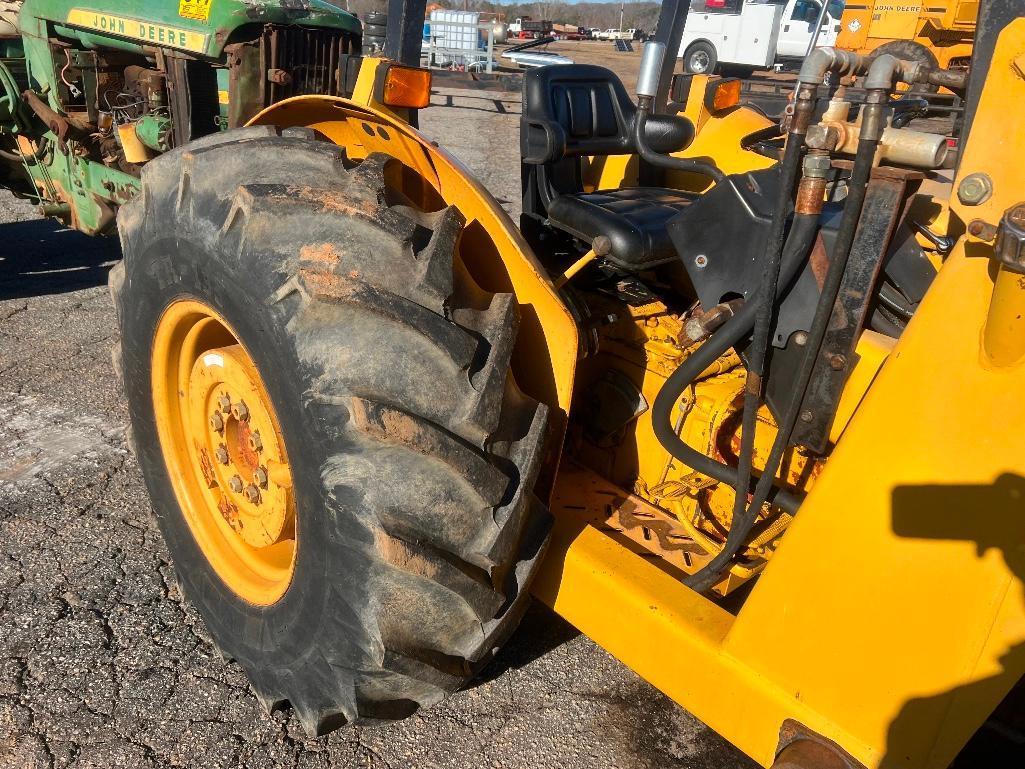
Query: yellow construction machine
937, 32
740, 400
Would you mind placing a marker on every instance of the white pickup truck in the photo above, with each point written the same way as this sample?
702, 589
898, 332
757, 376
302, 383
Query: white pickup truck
739, 36
617, 34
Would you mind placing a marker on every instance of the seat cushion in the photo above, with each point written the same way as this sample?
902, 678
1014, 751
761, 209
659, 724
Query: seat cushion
633, 218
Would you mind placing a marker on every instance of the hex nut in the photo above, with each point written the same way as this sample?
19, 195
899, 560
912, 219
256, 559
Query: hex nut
975, 189
217, 422
817, 166
255, 442
252, 494
822, 137
235, 484
240, 411
260, 477
225, 403
222, 455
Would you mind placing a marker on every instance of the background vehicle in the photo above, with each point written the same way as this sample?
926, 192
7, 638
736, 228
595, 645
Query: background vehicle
527, 28
373, 414
939, 33
746, 34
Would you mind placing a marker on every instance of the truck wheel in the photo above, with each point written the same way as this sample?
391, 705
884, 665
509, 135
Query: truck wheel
700, 59
336, 451
909, 50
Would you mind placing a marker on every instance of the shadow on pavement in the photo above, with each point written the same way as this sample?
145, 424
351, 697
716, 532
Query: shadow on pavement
540, 631
42, 257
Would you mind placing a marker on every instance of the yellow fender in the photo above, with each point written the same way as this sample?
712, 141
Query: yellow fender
500, 260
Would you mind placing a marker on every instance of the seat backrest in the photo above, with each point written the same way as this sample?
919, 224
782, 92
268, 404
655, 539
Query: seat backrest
574, 109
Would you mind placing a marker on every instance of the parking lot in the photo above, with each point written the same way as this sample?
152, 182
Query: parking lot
102, 664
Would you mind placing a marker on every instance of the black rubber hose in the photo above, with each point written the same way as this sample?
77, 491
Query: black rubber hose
795, 254
761, 339
709, 575
667, 161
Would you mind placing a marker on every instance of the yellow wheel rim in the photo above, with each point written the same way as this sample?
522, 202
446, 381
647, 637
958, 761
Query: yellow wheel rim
224, 451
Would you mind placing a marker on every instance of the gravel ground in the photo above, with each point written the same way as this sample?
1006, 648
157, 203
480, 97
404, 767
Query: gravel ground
102, 663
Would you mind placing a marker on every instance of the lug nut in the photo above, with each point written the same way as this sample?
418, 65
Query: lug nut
225, 403
236, 484
240, 411
252, 494
260, 477
217, 422
222, 455
254, 441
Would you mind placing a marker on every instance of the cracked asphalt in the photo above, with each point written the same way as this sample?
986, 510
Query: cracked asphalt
102, 662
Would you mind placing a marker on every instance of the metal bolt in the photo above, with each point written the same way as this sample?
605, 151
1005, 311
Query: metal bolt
260, 477
837, 362
222, 455
975, 189
217, 422
240, 411
701, 261
254, 441
977, 228
800, 339
236, 484
807, 416
225, 403
252, 494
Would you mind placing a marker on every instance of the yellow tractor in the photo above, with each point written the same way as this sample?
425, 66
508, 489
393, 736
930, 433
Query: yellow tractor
938, 32
740, 400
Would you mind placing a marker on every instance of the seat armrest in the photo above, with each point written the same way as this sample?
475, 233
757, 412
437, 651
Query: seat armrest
541, 141
667, 134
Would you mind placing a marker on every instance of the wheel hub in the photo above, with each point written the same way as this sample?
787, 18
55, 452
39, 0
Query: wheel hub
228, 412
224, 450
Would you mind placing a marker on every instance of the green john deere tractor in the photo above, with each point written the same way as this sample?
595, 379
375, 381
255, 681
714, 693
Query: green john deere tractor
90, 92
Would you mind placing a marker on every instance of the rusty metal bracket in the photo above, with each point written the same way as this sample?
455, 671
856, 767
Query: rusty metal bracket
888, 195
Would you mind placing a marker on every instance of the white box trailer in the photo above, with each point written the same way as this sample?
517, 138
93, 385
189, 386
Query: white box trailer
744, 35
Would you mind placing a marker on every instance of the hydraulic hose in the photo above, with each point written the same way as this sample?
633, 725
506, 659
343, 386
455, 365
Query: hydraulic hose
871, 130
764, 313
795, 254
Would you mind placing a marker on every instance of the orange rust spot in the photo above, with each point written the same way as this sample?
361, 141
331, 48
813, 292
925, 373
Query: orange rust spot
243, 450
207, 467
230, 512
324, 253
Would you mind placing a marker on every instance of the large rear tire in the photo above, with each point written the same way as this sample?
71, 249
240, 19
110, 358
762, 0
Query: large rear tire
411, 452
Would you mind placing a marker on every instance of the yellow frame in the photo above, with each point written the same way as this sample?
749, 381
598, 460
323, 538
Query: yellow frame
888, 622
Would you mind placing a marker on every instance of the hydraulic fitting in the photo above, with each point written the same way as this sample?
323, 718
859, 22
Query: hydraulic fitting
1010, 245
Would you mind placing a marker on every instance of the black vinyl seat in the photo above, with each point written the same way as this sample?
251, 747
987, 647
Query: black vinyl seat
577, 110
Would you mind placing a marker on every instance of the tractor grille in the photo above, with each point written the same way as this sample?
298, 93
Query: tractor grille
303, 61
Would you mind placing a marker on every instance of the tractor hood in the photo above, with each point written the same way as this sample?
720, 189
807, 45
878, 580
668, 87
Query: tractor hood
201, 27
